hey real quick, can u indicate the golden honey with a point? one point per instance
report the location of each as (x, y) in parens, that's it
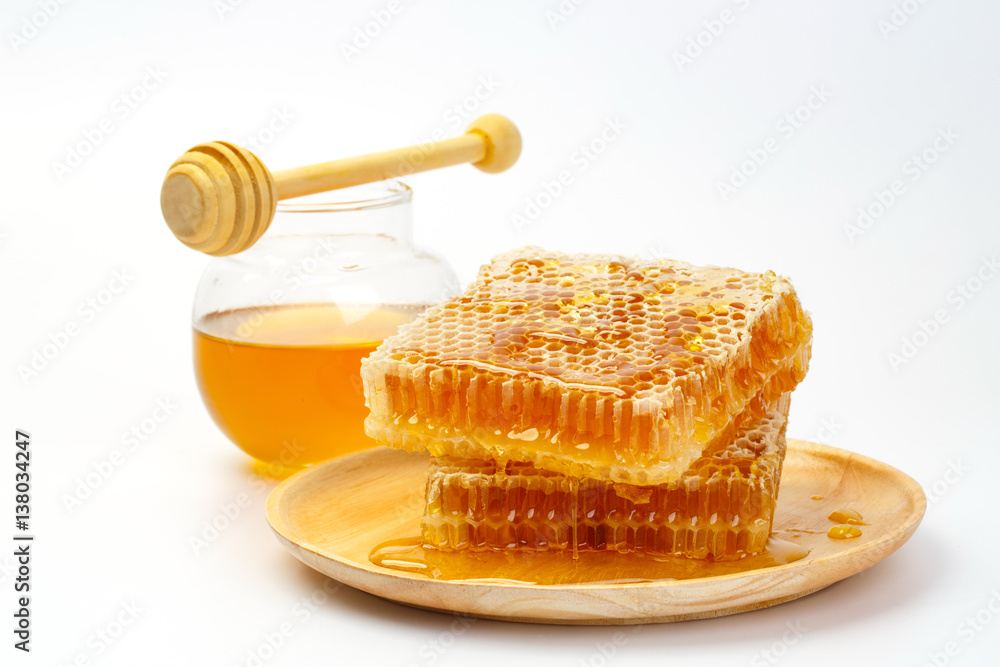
(562, 567)
(588, 365)
(846, 516)
(844, 532)
(284, 382)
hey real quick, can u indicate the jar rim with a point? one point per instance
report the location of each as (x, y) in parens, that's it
(364, 197)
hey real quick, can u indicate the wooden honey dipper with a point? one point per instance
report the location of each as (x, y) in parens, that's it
(219, 198)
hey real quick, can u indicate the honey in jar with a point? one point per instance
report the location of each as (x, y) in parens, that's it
(284, 383)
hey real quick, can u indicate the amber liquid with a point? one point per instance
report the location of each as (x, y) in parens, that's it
(568, 566)
(284, 382)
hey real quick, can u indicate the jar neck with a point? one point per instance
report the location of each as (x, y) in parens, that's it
(380, 209)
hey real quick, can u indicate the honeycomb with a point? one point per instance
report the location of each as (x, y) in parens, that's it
(720, 508)
(597, 366)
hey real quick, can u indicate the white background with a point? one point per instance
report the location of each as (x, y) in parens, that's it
(654, 190)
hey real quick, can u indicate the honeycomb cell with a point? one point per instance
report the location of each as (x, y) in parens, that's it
(720, 508)
(641, 367)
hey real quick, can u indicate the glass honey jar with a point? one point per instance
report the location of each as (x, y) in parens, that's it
(280, 329)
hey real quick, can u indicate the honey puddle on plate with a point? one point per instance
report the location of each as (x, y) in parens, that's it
(559, 567)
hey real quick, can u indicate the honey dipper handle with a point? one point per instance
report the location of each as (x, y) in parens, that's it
(491, 143)
(378, 166)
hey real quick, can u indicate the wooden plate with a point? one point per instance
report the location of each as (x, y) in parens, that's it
(331, 515)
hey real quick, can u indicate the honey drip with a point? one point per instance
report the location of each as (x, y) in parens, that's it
(565, 567)
(284, 382)
(846, 516)
(844, 532)
(847, 521)
(574, 487)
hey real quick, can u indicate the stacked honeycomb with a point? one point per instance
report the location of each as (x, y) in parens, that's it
(720, 508)
(593, 366)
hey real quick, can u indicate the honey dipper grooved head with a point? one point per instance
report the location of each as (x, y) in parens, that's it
(503, 142)
(218, 198)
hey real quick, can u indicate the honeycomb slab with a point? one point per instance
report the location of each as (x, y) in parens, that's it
(599, 366)
(721, 508)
